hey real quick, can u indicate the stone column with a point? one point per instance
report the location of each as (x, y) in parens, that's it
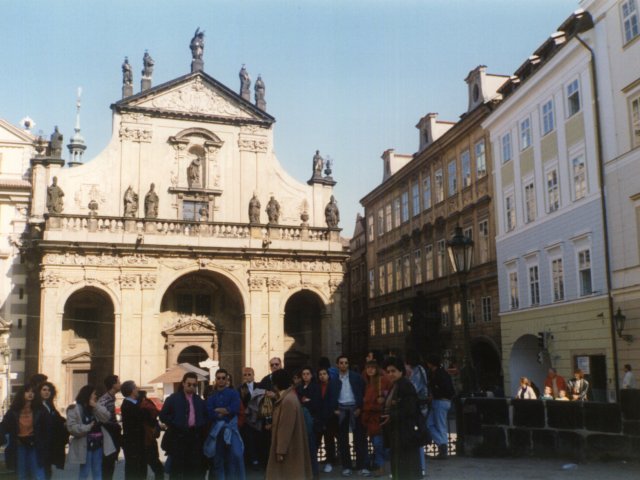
(151, 363)
(39, 186)
(131, 338)
(276, 319)
(257, 329)
(50, 342)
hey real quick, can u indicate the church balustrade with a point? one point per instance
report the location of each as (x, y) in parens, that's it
(104, 224)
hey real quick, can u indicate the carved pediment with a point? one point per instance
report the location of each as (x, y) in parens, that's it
(191, 324)
(194, 94)
(82, 357)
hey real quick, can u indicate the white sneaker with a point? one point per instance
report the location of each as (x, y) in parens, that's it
(364, 473)
(327, 468)
(347, 472)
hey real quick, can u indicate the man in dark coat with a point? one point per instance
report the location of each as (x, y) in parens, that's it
(184, 412)
(108, 401)
(135, 462)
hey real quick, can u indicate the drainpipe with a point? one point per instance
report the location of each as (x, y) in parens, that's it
(603, 208)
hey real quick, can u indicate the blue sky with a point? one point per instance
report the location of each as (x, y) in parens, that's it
(350, 78)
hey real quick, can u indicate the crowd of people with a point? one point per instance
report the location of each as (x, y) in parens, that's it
(278, 425)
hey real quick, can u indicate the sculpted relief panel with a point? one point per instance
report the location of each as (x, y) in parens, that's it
(104, 259)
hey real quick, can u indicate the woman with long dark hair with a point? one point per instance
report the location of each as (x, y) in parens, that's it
(377, 387)
(309, 394)
(400, 422)
(27, 425)
(89, 439)
(59, 435)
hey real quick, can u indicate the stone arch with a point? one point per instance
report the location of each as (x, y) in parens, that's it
(193, 355)
(204, 308)
(312, 288)
(197, 132)
(72, 288)
(487, 362)
(304, 315)
(523, 362)
(88, 338)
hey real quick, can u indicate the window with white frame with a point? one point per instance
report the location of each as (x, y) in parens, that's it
(399, 276)
(509, 211)
(471, 312)
(506, 147)
(553, 191)
(534, 285)
(573, 98)
(426, 192)
(388, 221)
(525, 133)
(405, 206)
(415, 198)
(486, 309)
(441, 257)
(406, 271)
(396, 212)
(457, 314)
(370, 225)
(417, 266)
(381, 280)
(481, 159)
(548, 119)
(468, 232)
(557, 279)
(578, 171)
(465, 160)
(428, 259)
(529, 202)
(392, 325)
(584, 272)
(634, 107)
(439, 186)
(389, 277)
(400, 323)
(444, 316)
(514, 297)
(383, 326)
(372, 284)
(630, 19)
(483, 241)
(380, 222)
(372, 327)
(453, 177)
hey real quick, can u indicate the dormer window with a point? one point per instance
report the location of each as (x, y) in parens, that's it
(476, 92)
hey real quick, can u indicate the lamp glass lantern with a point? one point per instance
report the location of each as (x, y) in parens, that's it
(619, 318)
(460, 249)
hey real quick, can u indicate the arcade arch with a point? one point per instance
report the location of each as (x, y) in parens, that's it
(303, 322)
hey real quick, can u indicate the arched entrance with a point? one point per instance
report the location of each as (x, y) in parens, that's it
(87, 339)
(524, 362)
(302, 327)
(203, 317)
(486, 360)
(193, 355)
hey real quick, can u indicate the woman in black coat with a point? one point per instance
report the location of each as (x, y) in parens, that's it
(309, 394)
(59, 434)
(399, 421)
(28, 426)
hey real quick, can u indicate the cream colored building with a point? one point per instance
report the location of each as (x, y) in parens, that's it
(133, 284)
(16, 149)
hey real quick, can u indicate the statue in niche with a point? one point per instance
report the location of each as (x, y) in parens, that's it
(151, 201)
(127, 73)
(254, 209)
(245, 83)
(331, 213)
(318, 163)
(55, 196)
(130, 203)
(273, 211)
(204, 214)
(197, 45)
(193, 173)
(148, 63)
(56, 143)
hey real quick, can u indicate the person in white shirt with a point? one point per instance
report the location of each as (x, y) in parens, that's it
(629, 380)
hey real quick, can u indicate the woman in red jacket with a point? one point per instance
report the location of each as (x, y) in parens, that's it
(377, 387)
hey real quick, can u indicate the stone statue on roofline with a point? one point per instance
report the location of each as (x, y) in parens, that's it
(318, 163)
(56, 143)
(151, 202)
(197, 45)
(130, 202)
(127, 72)
(332, 214)
(273, 211)
(245, 84)
(148, 64)
(254, 209)
(55, 195)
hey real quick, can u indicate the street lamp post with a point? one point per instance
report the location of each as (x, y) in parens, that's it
(460, 250)
(6, 356)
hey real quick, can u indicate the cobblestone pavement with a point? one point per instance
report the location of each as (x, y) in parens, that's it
(464, 468)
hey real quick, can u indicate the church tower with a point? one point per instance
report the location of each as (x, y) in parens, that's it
(76, 145)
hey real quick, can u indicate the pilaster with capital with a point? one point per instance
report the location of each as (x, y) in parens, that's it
(50, 341)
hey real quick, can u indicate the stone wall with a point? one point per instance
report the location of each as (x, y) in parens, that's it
(509, 427)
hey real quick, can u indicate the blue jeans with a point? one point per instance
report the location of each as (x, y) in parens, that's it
(437, 421)
(28, 463)
(228, 462)
(379, 453)
(92, 466)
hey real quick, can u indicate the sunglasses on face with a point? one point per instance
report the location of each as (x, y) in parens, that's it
(221, 378)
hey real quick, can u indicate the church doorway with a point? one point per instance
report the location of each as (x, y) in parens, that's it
(87, 339)
(303, 330)
(203, 317)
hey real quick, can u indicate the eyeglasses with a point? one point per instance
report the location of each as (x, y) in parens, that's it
(221, 378)
(247, 374)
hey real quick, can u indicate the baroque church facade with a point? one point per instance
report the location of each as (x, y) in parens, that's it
(183, 241)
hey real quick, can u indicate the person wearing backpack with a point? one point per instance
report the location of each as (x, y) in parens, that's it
(441, 393)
